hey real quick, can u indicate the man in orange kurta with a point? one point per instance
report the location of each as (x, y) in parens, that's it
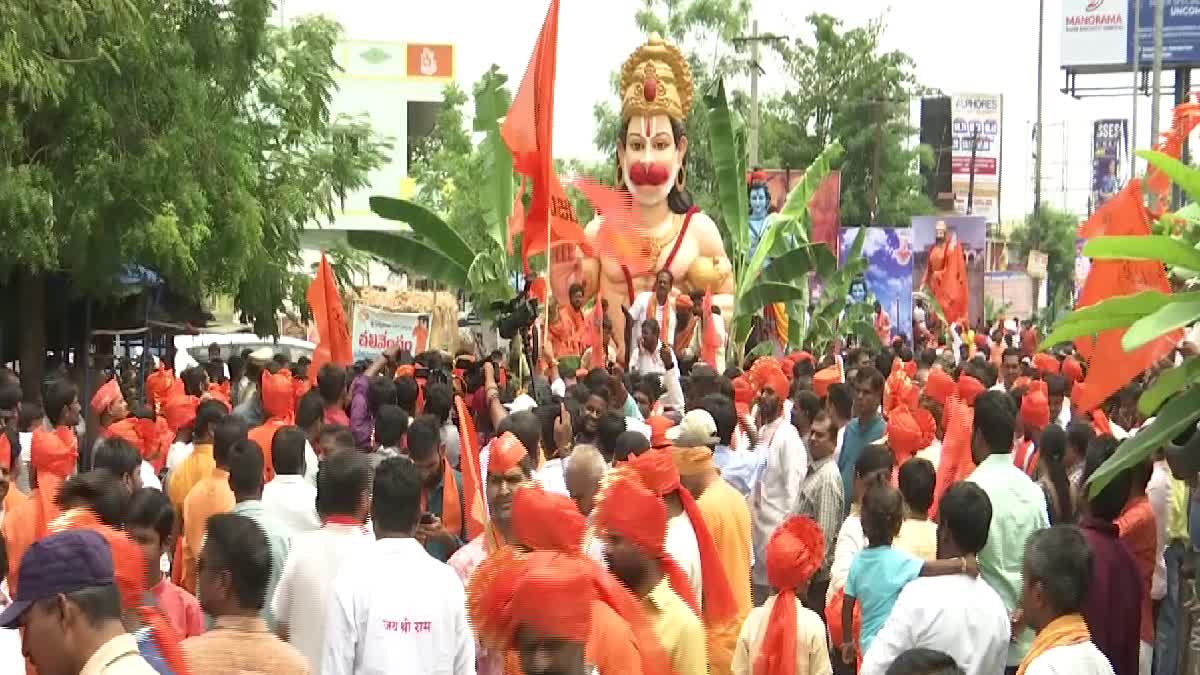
(279, 406)
(728, 519)
(50, 461)
(210, 496)
(12, 497)
(568, 334)
(946, 274)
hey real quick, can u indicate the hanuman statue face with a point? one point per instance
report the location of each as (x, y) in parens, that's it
(651, 158)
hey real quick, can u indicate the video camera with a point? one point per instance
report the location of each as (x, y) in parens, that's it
(516, 315)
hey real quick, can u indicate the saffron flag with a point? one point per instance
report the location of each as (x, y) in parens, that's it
(473, 509)
(621, 236)
(333, 341)
(528, 132)
(1123, 215)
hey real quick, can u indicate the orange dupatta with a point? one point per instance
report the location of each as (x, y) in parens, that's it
(1061, 632)
(451, 506)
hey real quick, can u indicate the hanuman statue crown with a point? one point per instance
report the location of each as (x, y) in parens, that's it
(656, 80)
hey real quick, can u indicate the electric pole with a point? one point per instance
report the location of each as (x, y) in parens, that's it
(1037, 158)
(1157, 86)
(1137, 73)
(754, 68)
(754, 39)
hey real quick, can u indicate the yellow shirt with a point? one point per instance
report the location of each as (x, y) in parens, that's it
(728, 520)
(192, 470)
(678, 629)
(1177, 503)
(812, 656)
(918, 538)
(211, 496)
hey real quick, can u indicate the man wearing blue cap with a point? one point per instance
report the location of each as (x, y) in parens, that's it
(68, 604)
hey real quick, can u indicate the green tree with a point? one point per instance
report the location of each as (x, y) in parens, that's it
(1054, 234)
(191, 137)
(706, 31)
(844, 88)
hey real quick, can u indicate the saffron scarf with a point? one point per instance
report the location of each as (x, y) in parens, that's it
(1062, 632)
(451, 507)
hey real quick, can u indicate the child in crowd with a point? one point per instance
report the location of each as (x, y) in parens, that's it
(878, 574)
(918, 534)
(151, 522)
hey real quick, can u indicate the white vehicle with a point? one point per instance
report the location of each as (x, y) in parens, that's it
(192, 350)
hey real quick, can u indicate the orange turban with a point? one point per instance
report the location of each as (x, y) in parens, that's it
(658, 430)
(657, 470)
(794, 554)
(49, 455)
(939, 385)
(1072, 369)
(903, 391)
(743, 394)
(505, 452)
(802, 356)
(149, 436)
(547, 521)
(407, 370)
(162, 386)
(1035, 407)
(927, 424)
(767, 373)
(639, 515)
(693, 461)
(969, 389)
(5, 452)
(108, 394)
(180, 411)
(826, 378)
(277, 395)
(904, 435)
(554, 597)
(1046, 364)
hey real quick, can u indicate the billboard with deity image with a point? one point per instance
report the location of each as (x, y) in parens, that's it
(888, 276)
(971, 232)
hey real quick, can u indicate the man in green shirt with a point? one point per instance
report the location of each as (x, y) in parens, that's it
(1018, 506)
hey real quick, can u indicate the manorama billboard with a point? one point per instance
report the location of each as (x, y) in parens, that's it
(1097, 35)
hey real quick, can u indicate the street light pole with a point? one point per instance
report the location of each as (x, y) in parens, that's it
(1037, 158)
(1157, 81)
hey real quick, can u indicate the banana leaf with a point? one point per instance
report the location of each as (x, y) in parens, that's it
(800, 261)
(1186, 177)
(767, 292)
(404, 252)
(427, 226)
(1181, 310)
(491, 104)
(1175, 416)
(1167, 250)
(1117, 312)
(729, 166)
(1169, 383)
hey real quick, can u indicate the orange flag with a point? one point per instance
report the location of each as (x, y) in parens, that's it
(333, 341)
(473, 509)
(1122, 215)
(528, 132)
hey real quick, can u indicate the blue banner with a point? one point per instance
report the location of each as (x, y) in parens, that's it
(1181, 32)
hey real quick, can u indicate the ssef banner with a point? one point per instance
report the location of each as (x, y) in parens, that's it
(378, 330)
(1108, 159)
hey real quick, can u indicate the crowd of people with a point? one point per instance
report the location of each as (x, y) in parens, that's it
(911, 509)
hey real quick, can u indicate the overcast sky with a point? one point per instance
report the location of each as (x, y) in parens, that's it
(957, 45)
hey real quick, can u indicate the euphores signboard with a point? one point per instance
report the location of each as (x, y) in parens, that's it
(1097, 35)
